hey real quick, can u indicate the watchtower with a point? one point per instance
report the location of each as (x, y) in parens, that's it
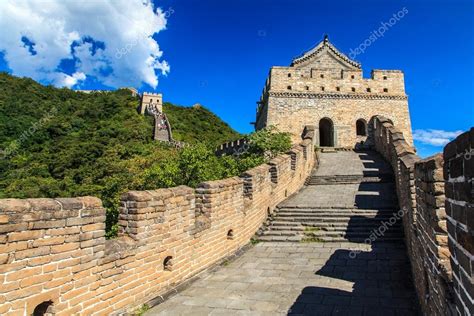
(325, 88)
(151, 99)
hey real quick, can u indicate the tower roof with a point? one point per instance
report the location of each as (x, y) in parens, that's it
(324, 47)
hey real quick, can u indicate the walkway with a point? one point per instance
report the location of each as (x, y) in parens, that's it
(308, 276)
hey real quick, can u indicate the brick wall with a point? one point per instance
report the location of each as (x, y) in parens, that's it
(429, 225)
(434, 270)
(459, 174)
(53, 251)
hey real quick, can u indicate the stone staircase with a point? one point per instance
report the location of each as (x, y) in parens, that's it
(162, 130)
(355, 202)
(346, 179)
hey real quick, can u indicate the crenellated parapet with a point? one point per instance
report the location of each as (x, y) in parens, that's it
(435, 197)
(388, 83)
(458, 158)
(54, 254)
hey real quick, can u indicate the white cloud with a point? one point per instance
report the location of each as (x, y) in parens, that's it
(37, 35)
(434, 137)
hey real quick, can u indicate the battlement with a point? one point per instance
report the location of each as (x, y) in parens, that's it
(344, 81)
(151, 98)
(434, 196)
(150, 94)
(54, 253)
(236, 147)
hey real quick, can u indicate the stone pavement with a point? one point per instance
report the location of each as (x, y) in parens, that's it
(303, 279)
(315, 278)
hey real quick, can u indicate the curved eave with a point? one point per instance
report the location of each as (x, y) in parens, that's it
(319, 48)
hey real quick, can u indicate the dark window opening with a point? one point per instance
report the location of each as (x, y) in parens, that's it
(385, 90)
(384, 77)
(353, 89)
(326, 133)
(361, 128)
(43, 309)
(322, 88)
(168, 263)
(230, 234)
(322, 76)
(289, 75)
(368, 90)
(352, 77)
(338, 89)
(289, 87)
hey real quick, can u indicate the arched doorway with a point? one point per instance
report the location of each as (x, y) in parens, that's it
(326, 133)
(361, 128)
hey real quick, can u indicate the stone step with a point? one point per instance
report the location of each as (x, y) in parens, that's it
(328, 239)
(285, 222)
(302, 228)
(372, 179)
(328, 150)
(335, 212)
(309, 219)
(393, 208)
(333, 215)
(347, 233)
(385, 207)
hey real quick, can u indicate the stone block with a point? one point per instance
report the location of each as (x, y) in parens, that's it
(14, 205)
(456, 167)
(449, 151)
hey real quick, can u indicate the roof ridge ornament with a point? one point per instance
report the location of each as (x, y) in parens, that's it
(319, 47)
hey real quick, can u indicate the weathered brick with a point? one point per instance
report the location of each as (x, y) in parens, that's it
(31, 253)
(48, 241)
(4, 219)
(70, 203)
(36, 279)
(25, 235)
(64, 248)
(22, 274)
(47, 224)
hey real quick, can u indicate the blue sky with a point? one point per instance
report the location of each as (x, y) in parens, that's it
(219, 54)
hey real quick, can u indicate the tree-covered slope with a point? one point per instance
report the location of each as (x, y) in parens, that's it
(197, 124)
(58, 142)
(61, 143)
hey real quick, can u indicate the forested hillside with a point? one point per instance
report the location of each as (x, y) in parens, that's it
(61, 143)
(198, 124)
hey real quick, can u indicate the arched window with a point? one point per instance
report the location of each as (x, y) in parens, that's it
(168, 263)
(361, 129)
(326, 133)
(43, 309)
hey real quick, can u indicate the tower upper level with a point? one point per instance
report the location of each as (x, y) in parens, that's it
(327, 72)
(151, 99)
